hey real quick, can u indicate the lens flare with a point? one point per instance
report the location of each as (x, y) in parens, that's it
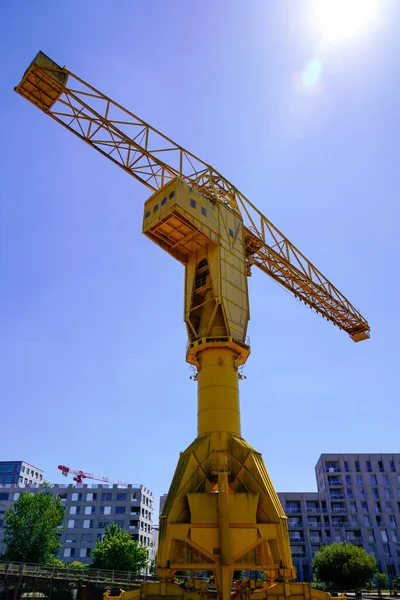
(311, 73)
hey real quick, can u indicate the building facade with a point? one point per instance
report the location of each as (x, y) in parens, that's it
(358, 501)
(20, 473)
(88, 510)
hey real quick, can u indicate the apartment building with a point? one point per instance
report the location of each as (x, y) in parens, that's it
(88, 510)
(358, 501)
(20, 473)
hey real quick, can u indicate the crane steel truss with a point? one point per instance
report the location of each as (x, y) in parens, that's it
(154, 159)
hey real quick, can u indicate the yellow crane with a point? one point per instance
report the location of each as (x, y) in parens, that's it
(222, 513)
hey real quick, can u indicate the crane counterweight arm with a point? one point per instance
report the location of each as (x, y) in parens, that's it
(154, 159)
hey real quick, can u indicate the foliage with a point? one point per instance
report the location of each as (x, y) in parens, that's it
(396, 582)
(153, 566)
(119, 552)
(76, 564)
(318, 585)
(343, 566)
(56, 562)
(381, 581)
(32, 526)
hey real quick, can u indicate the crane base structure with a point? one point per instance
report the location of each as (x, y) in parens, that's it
(222, 515)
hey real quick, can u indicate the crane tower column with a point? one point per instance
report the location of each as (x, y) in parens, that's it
(218, 391)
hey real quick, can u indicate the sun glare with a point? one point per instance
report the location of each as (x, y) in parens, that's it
(340, 19)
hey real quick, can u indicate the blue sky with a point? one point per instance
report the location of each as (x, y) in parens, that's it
(92, 350)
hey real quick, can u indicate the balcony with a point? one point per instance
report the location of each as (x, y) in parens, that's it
(336, 496)
(291, 511)
(339, 510)
(354, 538)
(335, 483)
(297, 540)
(340, 523)
(316, 539)
(297, 524)
(332, 470)
(313, 509)
(298, 554)
(314, 525)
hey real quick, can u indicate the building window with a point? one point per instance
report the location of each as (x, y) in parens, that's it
(103, 524)
(120, 510)
(380, 466)
(192, 203)
(231, 232)
(388, 493)
(353, 507)
(392, 467)
(163, 201)
(69, 552)
(357, 465)
(373, 480)
(384, 535)
(120, 523)
(105, 510)
(76, 497)
(349, 492)
(16, 496)
(364, 506)
(346, 466)
(3, 496)
(348, 480)
(367, 521)
(74, 510)
(385, 480)
(90, 510)
(148, 213)
(359, 480)
(106, 496)
(155, 209)
(88, 524)
(392, 520)
(393, 533)
(71, 524)
(91, 497)
(203, 211)
(121, 497)
(361, 492)
(172, 194)
(22, 469)
(86, 537)
(375, 493)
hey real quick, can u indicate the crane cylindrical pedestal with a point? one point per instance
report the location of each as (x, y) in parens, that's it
(218, 391)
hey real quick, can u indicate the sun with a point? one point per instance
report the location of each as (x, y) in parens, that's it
(340, 19)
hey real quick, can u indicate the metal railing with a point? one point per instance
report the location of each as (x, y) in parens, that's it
(70, 573)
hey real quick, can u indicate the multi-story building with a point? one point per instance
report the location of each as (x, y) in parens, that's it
(163, 499)
(358, 501)
(20, 473)
(88, 510)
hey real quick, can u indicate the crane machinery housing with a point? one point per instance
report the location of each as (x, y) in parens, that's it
(222, 513)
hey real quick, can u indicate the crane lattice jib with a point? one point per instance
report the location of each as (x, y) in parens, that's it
(154, 159)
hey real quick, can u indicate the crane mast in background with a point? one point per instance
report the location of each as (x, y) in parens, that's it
(79, 476)
(222, 513)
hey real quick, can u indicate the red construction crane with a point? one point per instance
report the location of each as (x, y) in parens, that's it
(80, 475)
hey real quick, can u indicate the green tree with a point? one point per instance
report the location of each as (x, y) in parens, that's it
(396, 582)
(343, 566)
(381, 581)
(31, 528)
(119, 552)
